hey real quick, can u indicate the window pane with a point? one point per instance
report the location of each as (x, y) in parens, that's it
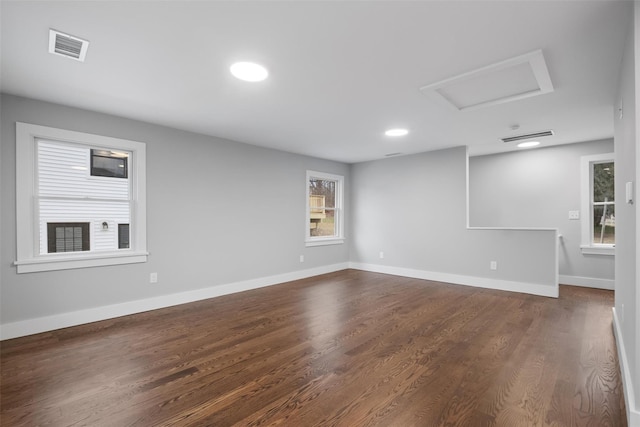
(603, 177)
(325, 190)
(604, 226)
(324, 208)
(323, 224)
(63, 172)
(94, 211)
(67, 191)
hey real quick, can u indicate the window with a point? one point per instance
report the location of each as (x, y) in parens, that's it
(598, 204)
(72, 190)
(123, 236)
(109, 163)
(324, 209)
(67, 236)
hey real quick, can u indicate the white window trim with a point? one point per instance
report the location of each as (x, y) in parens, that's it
(339, 211)
(586, 192)
(28, 257)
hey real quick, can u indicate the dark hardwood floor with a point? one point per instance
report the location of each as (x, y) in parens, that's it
(349, 348)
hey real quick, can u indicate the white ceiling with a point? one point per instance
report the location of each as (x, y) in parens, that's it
(341, 72)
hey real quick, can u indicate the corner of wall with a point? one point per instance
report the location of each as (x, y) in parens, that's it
(633, 414)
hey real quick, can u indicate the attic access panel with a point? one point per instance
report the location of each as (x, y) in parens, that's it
(516, 78)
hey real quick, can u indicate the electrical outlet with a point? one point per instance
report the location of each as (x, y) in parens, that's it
(381, 254)
(301, 258)
(493, 265)
(153, 278)
(574, 215)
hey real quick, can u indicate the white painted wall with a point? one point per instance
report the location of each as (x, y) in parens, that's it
(219, 213)
(226, 216)
(414, 210)
(627, 299)
(538, 188)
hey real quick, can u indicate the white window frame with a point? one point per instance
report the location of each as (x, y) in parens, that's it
(586, 195)
(339, 211)
(29, 258)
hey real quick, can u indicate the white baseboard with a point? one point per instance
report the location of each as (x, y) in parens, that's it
(588, 282)
(480, 282)
(633, 414)
(65, 320)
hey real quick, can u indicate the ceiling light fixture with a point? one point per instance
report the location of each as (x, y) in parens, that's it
(528, 144)
(396, 132)
(249, 71)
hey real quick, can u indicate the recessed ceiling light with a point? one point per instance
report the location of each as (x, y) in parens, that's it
(249, 71)
(528, 144)
(396, 132)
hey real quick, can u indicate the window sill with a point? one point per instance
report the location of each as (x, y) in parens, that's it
(66, 262)
(324, 242)
(598, 250)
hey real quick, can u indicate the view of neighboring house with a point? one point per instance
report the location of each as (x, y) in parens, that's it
(83, 196)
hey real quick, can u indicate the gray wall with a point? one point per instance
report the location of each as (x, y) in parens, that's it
(413, 209)
(538, 188)
(218, 212)
(627, 140)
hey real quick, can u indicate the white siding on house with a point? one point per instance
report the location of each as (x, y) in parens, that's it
(60, 176)
(68, 193)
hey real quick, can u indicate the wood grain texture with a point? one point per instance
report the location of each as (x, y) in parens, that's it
(349, 348)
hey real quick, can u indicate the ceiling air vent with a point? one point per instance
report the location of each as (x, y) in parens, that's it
(68, 46)
(527, 136)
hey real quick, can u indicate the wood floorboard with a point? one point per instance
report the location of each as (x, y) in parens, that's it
(349, 348)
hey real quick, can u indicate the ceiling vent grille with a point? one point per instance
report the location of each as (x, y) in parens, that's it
(68, 46)
(527, 136)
